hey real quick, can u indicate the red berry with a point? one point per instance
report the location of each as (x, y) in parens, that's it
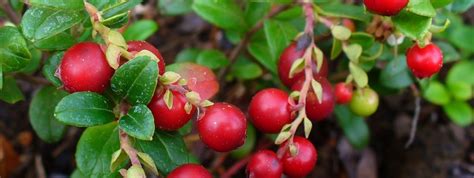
(303, 162)
(264, 164)
(222, 127)
(269, 110)
(137, 46)
(169, 119)
(385, 7)
(343, 93)
(290, 55)
(85, 68)
(424, 62)
(318, 111)
(190, 171)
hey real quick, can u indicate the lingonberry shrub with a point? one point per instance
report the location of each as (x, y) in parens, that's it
(301, 162)
(170, 118)
(143, 116)
(85, 68)
(385, 7)
(190, 171)
(269, 110)
(222, 127)
(424, 61)
(265, 164)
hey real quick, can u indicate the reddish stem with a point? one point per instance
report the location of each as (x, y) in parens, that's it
(131, 152)
(309, 16)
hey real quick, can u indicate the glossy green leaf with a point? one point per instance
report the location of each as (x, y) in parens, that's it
(61, 41)
(450, 54)
(363, 39)
(462, 37)
(345, 11)
(259, 49)
(14, 53)
(95, 148)
(459, 112)
(41, 23)
(267, 45)
(354, 127)
(119, 8)
(167, 149)
(396, 74)
(10, 92)
(461, 5)
(119, 158)
(50, 67)
(225, 13)
(77, 174)
(188, 55)
(175, 7)
(34, 63)
(41, 114)
(461, 90)
(136, 80)
(84, 109)
(461, 72)
(140, 30)
(436, 93)
(244, 69)
(279, 35)
(360, 76)
(336, 48)
(340, 32)
(59, 4)
(412, 25)
(255, 11)
(353, 52)
(421, 7)
(440, 3)
(138, 122)
(212, 58)
(116, 21)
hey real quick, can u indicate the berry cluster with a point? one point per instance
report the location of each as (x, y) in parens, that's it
(84, 67)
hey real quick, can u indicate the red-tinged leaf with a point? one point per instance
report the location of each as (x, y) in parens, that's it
(199, 78)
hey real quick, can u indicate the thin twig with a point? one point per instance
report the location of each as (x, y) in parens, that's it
(236, 167)
(308, 71)
(416, 116)
(39, 167)
(236, 51)
(11, 14)
(31, 79)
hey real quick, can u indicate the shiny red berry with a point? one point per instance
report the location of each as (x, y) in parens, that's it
(385, 7)
(290, 55)
(269, 110)
(303, 162)
(318, 111)
(137, 46)
(169, 119)
(343, 93)
(85, 68)
(264, 164)
(222, 127)
(424, 62)
(190, 171)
